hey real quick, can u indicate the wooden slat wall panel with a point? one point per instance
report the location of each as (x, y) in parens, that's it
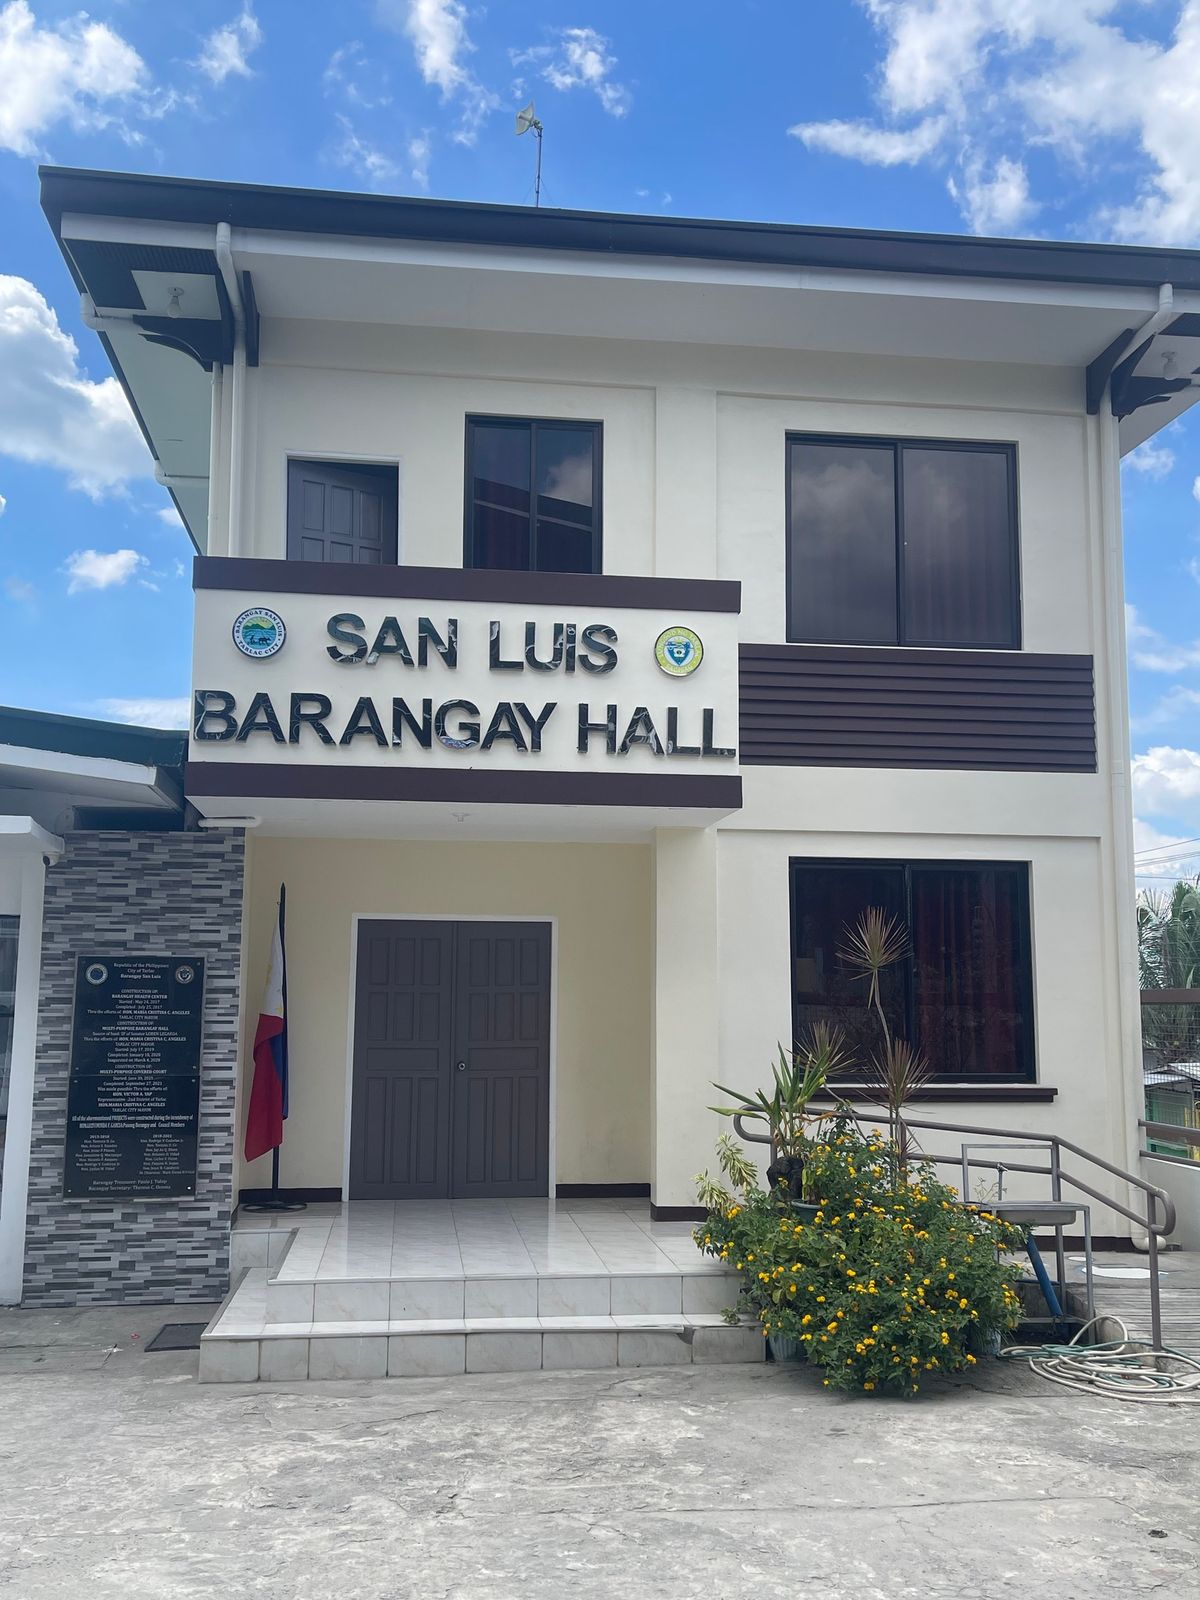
(847, 706)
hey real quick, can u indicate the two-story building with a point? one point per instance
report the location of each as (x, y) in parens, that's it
(594, 615)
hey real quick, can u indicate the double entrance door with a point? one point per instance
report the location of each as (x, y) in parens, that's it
(451, 1065)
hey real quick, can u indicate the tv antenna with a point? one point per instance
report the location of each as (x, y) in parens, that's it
(527, 119)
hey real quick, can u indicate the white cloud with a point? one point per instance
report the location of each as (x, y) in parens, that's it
(419, 151)
(1150, 651)
(579, 58)
(1162, 865)
(99, 569)
(373, 165)
(349, 74)
(1152, 459)
(995, 202)
(76, 71)
(171, 712)
(51, 413)
(876, 147)
(437, 31)
(1178, 702)
(170, 516)
(1166, 783)
(226, 51)
(3, 505)
(20, 589)
(1075, 77)
(1196, 488)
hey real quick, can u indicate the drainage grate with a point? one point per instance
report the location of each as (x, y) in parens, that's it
(178, 1336)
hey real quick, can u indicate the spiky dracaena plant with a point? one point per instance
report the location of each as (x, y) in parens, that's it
(878, 941)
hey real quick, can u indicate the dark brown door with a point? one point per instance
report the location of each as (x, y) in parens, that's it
(341, 512)
(451, 1073)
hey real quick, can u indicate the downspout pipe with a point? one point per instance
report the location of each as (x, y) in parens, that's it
(223, 250)
(1120, 792)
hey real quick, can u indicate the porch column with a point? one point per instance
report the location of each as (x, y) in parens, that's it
(24, 850)
(686, 1009)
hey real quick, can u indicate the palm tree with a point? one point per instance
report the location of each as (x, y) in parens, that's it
(1168, 928)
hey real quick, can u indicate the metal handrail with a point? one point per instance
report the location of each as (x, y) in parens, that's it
(1168, 1130)
(1156, 1198)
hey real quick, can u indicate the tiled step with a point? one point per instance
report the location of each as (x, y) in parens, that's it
(322, 1299)
(242, 1345)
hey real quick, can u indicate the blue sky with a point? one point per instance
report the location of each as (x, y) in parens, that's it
(1058, 118)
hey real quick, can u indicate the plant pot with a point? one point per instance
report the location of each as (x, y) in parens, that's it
(784, 1349)
(804, 1210)
(984, 1342)
(787, 1173)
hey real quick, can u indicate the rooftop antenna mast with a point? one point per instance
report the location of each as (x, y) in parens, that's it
(526, 120)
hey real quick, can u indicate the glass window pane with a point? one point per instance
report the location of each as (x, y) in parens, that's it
(958, 586)
(500, 464)
(564, 474)
(843, 543)
(827, 902)
(969, 970)
(501, 539)
(563, 549)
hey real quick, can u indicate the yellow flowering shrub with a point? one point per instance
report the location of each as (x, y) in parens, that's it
(892, 1280)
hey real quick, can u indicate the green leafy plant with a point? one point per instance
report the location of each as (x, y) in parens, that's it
(799, 1077)
(894, 1279)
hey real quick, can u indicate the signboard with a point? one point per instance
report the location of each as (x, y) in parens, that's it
(355, 681)
(133, 1099)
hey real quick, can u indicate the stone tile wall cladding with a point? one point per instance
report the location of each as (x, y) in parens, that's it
(137, 894)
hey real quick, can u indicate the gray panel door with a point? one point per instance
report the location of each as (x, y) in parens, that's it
(403, 1019)
(502, 1059)
(451, 1067)
(341, 512)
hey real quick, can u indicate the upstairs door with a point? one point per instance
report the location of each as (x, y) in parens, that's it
(341, 512)
(451, 1065)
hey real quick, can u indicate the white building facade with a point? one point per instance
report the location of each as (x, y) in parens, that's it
(595, 615)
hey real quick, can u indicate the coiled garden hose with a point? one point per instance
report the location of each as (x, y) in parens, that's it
(1124, 1369)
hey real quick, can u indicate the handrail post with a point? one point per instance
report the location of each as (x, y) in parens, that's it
(1060, 1254)
(1152, 1254)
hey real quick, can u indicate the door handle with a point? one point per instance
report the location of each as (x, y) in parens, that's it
(461, 1066)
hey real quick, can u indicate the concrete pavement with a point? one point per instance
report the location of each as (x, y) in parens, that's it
(122, 1477)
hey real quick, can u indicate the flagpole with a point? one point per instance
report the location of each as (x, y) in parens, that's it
(274, 1201)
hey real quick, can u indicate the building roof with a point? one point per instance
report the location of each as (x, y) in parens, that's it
(327, 211)
(84, 736)
(168, 267)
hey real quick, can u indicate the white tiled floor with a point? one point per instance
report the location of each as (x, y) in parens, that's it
(437, 1239)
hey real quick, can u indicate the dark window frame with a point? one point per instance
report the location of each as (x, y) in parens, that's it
(1022, 962)
(358, 464)
(898, 443)
(502, 420)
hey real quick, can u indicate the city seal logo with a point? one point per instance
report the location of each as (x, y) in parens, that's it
(678, 651)
(96, 972)
(184, 973)
(259, 633)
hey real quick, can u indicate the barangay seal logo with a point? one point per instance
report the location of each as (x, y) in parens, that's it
(96, 972)
(184, 973)
(678, 651)
(259, 633)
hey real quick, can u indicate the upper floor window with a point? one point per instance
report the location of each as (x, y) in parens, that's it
(341, 511)
(533, 495)
(902, 542)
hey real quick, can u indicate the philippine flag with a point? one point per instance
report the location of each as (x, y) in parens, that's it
(269, 1090)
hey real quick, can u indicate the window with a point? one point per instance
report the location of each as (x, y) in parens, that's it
(533, 495)
(964, 993)
(902, 543)
(9, 927)
(341, 511)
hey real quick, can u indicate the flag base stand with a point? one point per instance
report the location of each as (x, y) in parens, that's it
(274, 1201)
